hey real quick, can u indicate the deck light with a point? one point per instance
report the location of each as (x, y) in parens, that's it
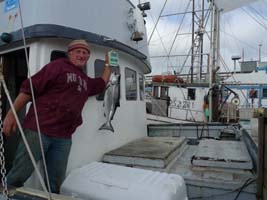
(144, 6)
(6, 37)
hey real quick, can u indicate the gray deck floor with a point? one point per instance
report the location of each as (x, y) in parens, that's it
(213, 177)
(226, 170)
(227, 154)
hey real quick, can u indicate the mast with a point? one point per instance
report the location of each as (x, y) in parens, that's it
(193, 41)
(214, 55)
(201, 41)
(197, 41)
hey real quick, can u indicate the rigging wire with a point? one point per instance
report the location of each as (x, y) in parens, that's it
(255, 19)
(179, 28)
(232, 76)
(188, 54)
(235, 41)
(245, 43)
(258, 13)
(157, 22)
(160, 37)
(35, 111)
(227, 69)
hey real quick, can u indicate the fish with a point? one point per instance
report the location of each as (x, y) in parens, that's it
(111, 100)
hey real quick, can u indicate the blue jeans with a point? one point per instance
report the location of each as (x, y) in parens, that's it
(56, 152)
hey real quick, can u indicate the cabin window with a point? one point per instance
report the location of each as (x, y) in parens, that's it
(57, 54)
(164, 92)
(191, 94)
(99, 67)
(141, 87)
(264, 93)
(131, 84)
(156, 91)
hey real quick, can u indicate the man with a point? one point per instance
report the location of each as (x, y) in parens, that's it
(252, 95)
(61, 89)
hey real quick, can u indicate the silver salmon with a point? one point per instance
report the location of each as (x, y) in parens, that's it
(111, 100)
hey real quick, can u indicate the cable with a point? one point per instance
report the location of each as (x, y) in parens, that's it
(239, 190)
(24, 137)
(256, 20)
(178, 30)
(157, 22)
(247, 183)
(33, 102)
(160, 38)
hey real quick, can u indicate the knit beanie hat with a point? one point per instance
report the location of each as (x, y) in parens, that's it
(78, 44)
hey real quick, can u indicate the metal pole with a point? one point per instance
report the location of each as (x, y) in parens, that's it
(260, 45)
(234, 66)
(212, 56)
(260, 170)
(201, 40)
(193, 41)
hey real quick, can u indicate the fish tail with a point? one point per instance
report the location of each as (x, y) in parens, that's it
(107, 126)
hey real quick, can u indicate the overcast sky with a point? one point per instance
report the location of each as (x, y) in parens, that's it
(242, 29)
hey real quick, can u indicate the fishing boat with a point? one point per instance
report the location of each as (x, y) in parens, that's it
(33, 33)
(137, 160)
(185, 96)
(235, 99)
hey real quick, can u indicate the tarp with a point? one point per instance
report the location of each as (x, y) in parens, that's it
(228, 5)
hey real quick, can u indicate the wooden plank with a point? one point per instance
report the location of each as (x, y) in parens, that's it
(41, 194)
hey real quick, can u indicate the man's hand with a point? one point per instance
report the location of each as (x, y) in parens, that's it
(9, 124)
(107, 70)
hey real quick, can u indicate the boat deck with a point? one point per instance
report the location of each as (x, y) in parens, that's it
(210, 176)
(209, 167)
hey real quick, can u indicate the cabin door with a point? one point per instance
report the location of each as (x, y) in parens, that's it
(15, 72)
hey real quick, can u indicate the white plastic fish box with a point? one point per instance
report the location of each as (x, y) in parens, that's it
(102, 181)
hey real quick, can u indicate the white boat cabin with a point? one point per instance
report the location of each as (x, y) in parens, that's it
(48, 27)
(243, 91)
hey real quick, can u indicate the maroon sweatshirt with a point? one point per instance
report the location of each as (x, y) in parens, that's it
(61, 90)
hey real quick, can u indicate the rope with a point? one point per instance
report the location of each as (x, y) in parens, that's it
(23, 135)
(36, 116)
(2, 154)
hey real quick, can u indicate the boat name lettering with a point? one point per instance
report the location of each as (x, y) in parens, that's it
(185, 104)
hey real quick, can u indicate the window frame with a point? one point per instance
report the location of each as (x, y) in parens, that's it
(194, 94)
(136, 86)
(155, 93)
(141, 81)
(264, 97)
(164, 89)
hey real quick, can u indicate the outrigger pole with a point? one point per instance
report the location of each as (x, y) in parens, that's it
(214, 55)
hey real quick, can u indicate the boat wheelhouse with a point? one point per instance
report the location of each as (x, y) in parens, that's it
(40, 31)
